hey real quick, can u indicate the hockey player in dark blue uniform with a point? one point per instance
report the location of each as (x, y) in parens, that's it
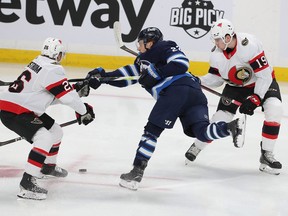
(162, 68)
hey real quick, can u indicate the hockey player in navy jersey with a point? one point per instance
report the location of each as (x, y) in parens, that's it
(238, 60)
(22, 110)
(162, 67)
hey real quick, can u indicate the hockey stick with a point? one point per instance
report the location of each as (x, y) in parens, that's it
(118, 37)
(20, 138)
(101, 79)
(2, 83)
(105, 79)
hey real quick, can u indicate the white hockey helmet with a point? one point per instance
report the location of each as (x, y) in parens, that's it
(221, 28)
(52, 48)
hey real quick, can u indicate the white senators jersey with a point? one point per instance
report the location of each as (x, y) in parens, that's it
(245, 66)
(41, 82)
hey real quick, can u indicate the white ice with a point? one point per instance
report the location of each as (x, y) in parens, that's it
(223, 181)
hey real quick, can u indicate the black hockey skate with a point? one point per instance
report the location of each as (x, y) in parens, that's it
(30, 190)
(132, 179)
(237, 131)
(53, 170)
(192, 153)
(268, 163)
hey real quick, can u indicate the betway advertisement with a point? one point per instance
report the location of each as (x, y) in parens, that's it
(86, 26)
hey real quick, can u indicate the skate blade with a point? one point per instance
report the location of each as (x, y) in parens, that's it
(188, 162)
(48, 176)
(265, 168)
(25, 194)
(241, 138)
(132, 185)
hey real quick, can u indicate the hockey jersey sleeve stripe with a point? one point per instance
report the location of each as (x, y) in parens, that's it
(12, 107)
(182, 61)
(259, 62)
(214, 71)
(134, 70)
(179, 58)
(125, 72)
(60, 88)
(128, 70)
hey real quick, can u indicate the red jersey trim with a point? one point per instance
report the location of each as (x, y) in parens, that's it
(258, 64)
(12, 107)
(60, 88)
(53, 85)
(230, 54)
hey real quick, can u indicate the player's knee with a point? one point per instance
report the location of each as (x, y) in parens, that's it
(273, 110)
(43, 139)
(56, 132)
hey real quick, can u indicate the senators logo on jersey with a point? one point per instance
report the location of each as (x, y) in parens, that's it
(239, 76)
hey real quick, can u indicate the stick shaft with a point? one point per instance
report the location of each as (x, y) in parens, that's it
(21, 138)
(103, 79)
(222, 96)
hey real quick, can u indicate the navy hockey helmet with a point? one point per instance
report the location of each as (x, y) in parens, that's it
(150, 34)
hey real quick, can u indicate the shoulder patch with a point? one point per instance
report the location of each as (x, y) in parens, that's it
(213, 49)
(245, 41)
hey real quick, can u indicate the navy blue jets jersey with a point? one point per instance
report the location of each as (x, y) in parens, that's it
(167, 58)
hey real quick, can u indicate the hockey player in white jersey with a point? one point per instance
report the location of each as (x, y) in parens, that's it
(22, 110)
(238, 60)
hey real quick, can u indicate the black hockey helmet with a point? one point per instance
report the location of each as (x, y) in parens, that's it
(150, 34)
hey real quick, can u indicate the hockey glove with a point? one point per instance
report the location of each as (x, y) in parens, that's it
(82, 88)
(97, 72)
(93, 77)
(149, 77)
(250, 104)
(94, 82)
(87, 117)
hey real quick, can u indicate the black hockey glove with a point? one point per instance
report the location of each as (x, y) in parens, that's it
(82, 88)
(250, 104)
(87, 117)
(94, 82)
(97, 72)
(93, 77)
(149, 77)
